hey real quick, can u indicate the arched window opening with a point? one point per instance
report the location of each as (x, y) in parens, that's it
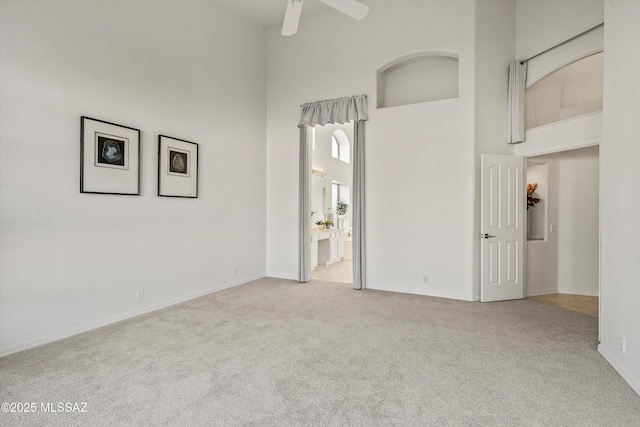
(340, 147)
(569, 92)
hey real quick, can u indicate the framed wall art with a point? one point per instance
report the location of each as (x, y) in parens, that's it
(109, 158)
(177, 167)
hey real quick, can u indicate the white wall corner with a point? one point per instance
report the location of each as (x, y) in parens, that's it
(620, 368)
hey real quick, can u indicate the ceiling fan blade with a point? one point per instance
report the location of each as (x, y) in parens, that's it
(351, 8)
(291, 17)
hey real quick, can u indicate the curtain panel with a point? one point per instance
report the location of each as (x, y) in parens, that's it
(304, 244)
(358, 217)
(515, 120)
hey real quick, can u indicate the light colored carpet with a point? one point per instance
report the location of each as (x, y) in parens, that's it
(275, 352)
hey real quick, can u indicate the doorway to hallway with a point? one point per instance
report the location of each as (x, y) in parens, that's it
(563, 236)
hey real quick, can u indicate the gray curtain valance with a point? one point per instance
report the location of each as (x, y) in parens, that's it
(340, 110)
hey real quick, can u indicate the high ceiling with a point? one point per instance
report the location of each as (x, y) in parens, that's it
(269, 13)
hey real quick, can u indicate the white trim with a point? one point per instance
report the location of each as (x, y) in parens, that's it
(633, 382)
(56, 336)
(426, 294)
(542, 292)
(551, 125)
(564, 147)
(569, 134)
(600, 325)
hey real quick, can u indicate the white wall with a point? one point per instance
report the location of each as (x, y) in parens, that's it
(495, 49)
(578, 222)
(428, 147)
(620, 151)
(542, 255)
(71, 261)
(536, 217)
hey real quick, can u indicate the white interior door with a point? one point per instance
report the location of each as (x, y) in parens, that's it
(502, 227)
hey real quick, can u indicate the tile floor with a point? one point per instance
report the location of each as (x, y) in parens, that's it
(580, 303)
(341, 272)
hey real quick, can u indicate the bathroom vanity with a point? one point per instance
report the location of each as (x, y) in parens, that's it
(327, 247)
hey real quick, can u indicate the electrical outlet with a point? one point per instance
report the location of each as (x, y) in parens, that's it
(140, 295)
(622, 345)
(425, 278)
(235, 271)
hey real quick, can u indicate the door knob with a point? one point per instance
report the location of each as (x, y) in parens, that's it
(486, 236)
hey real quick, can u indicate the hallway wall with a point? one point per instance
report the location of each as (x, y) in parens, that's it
(619, 314)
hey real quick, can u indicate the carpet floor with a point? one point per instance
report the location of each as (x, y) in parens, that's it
(276, 352)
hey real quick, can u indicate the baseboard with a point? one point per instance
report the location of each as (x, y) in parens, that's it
(534, 293)
(426, 294)
(633, 382)
(46, 339)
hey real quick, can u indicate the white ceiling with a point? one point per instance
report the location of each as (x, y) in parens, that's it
(270, 13)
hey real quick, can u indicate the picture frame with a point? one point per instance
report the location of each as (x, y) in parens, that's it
(109, 158)
(177, 167)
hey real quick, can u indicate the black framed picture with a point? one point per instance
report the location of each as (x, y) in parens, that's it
(177, 167)
(109, 158)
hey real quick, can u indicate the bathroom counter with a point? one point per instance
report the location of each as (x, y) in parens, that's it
(327, 246)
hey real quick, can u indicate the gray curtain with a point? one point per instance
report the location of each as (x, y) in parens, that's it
(358, 218)
(340, 110)
(305, 210)
(517, 82)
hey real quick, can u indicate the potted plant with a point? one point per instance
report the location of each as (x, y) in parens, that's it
(341, 210)
(531, 198)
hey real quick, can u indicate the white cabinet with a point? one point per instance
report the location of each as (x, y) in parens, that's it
(314, 251)
(340, 243)
(340, 238)
(330, 247)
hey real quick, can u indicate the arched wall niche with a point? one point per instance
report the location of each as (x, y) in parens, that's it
(418, 77)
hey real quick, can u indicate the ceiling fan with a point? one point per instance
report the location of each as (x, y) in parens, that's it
(351, 8)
